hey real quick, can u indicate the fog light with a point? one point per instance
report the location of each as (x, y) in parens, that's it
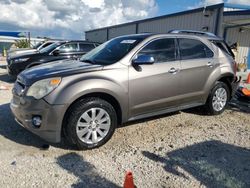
(36, 121)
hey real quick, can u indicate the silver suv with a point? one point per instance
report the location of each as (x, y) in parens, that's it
(125, 79)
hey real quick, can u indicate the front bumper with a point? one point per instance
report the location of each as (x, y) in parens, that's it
(24, 108)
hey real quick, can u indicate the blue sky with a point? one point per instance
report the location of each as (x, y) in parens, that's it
(167, 7)
(68, 19)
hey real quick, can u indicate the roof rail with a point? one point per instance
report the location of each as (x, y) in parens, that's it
(192, 32)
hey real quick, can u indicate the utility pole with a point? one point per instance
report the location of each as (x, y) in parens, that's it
(29, 38)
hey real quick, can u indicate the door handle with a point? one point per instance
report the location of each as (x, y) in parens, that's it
(209, 64)
(173, 70)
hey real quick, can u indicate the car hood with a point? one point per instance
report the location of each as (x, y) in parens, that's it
(16, 55)
(56, 69)
(23, 51)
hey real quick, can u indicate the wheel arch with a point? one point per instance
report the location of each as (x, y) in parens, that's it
(102, 95)
(228, 79)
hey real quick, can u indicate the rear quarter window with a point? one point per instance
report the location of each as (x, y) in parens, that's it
(223, 46)
(193, 49)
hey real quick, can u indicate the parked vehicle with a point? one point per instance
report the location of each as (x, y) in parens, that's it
(35, 48)
(56, 51)
(125, 79)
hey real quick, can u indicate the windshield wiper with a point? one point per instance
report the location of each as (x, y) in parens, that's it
(88, 61)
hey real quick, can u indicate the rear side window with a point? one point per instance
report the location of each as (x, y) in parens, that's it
(86, 47)
(193, 49)
(162, 50)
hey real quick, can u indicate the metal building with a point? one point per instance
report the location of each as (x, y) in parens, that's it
(226, 20)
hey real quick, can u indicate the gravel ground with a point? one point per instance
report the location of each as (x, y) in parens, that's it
(182, 149)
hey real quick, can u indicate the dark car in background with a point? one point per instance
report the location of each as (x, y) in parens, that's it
(56, 51)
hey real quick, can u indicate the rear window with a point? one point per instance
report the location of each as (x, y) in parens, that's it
(223, 46)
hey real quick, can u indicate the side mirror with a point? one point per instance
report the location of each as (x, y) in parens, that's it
(56, 52)
(143, 60)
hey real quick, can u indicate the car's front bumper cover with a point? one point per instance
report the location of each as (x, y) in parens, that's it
(24, 108)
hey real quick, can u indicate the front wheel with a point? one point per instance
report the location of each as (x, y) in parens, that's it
(91, 123)
(218, 98)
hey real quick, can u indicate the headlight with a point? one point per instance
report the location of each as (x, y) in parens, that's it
(20, 60)
(42, 88)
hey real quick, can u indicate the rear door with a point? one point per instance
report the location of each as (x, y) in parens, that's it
(197, 63)
(155, 87)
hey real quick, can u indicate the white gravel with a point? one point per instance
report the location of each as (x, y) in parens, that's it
(182, 149)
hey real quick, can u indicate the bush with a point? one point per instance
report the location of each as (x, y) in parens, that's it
(23, 43)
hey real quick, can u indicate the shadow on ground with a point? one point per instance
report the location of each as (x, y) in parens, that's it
(239, 106)
(12, 131)
(86, 172)
(7, 78)
(213, 163)
(233, 105)
(148, 119)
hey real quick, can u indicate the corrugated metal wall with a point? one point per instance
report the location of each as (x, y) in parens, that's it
(97, 36)
(122, 30)
(243, 39)
(193, 21)
(230, 18)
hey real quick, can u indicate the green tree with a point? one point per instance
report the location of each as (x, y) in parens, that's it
(22, 43)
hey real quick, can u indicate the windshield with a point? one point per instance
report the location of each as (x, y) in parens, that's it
(37, 45)
(51, 47)
(112, 51)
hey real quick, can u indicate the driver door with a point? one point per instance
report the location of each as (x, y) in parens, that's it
(155, 87)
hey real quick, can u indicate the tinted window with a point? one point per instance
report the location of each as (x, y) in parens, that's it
(86, 47)
(112, 51)
(46, 44)
(50, 48)
(193, 49)
(37, 45)
(162, 50)
(70, 47)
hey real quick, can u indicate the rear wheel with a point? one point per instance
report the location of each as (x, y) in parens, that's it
(218, 98)
(91, 123)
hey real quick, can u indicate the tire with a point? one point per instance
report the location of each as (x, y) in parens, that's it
(218, 99)
(88, 130)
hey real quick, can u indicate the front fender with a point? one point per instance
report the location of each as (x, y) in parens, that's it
(72, 88)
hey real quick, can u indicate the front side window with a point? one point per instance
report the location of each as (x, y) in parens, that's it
(70, 47)
(193, 49)
(162, 50)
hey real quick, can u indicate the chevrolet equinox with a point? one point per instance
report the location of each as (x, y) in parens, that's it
(127, 78)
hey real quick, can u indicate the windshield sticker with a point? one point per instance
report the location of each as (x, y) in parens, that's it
(128, 41)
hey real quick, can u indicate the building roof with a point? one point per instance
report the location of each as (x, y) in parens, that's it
(164, 16)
